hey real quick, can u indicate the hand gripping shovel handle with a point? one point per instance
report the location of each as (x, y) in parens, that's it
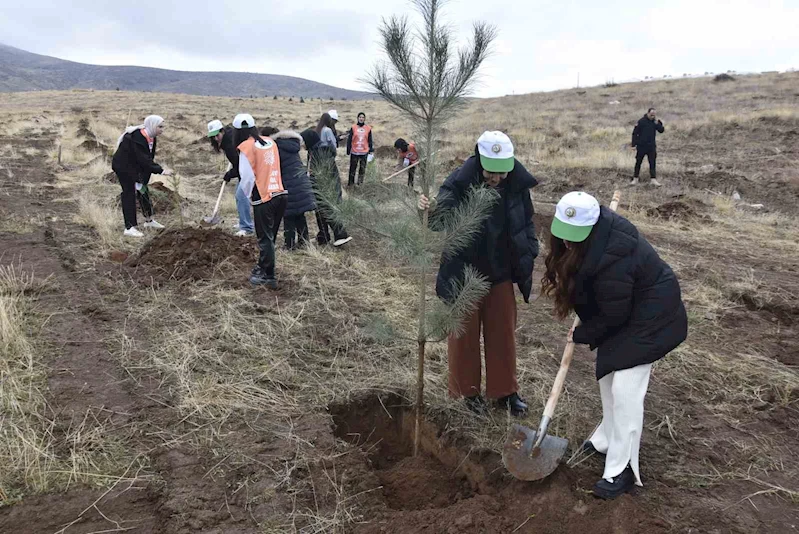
(565, 362)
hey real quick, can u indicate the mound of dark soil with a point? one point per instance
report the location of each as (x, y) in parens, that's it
(718, 181)
(164, 199)
(193, 254)
(385, 152)
(683, 209)
(723, 78)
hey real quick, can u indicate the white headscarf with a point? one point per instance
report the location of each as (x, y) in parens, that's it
(151, 124)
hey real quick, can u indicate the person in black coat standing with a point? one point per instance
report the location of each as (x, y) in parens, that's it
(298, 185)
(326, 184)
(644, 142)
(503, 252)
(631, 309)
(134, 163)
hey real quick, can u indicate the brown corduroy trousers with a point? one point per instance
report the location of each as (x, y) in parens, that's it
(496, 315)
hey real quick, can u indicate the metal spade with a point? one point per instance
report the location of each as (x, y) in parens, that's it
(214, 219)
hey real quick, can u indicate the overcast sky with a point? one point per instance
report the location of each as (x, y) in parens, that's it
(542, 45)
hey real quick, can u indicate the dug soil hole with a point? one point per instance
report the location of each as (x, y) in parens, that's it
(453, 487)
(383, 429)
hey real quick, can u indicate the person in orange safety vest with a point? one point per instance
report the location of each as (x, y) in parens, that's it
(359, 147)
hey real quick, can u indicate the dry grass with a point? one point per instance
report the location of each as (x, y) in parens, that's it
(104, 218)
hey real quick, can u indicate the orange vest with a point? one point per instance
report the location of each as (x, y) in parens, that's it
(411, 154)
(360, 139)
(265, 163)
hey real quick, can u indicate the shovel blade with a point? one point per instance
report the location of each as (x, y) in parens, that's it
(524, 463)
(212, 221)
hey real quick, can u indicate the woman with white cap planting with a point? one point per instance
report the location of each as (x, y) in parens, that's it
(133, 164)
(222, 140)
(503, 252)
(261, 181)
(631, 309)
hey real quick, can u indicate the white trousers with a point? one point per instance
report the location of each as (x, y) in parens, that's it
(619, 434)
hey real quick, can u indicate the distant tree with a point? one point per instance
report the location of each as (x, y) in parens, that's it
(302, 100)
(275, 98)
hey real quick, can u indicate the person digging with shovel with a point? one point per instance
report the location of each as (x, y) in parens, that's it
(134, 163)
(631, 309)
(261, 181)
(408, 155)
(222, 140)
(503, 252)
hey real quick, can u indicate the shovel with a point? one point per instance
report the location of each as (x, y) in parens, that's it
(532, 455)
(215, 219)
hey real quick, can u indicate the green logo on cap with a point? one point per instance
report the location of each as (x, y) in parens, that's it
(496, 149)
(570, 212)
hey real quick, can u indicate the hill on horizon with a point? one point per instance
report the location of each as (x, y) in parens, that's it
(25, 71)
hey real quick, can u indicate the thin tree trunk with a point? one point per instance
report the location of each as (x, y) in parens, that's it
(422, 340)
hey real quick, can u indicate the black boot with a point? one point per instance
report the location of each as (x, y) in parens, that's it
(514, 403)
(621, 484)
(476, 404)
(259, 277)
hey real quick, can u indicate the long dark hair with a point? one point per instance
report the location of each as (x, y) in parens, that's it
(215, 144)
(324, 120)
(243, 134)
(562, 266)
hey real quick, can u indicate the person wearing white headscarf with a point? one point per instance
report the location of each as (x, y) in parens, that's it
(133, 163)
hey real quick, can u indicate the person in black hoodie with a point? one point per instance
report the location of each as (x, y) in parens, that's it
(133, 164)
(631, 309)
(326, 183)
(503, 252)
(298, 185)
(222, 139)
(644, 142)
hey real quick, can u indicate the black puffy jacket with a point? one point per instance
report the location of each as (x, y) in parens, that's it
(627, 298)
(322, 163)
(134, 160)
(645, 132)
(506, 247)
(292, 171)
(228, 145)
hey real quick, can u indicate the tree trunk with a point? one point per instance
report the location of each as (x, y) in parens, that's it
(422, 340)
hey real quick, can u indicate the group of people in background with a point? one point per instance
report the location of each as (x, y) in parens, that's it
(598, 265)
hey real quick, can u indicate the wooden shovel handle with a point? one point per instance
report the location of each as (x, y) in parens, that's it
(219, 199)
(568, 352)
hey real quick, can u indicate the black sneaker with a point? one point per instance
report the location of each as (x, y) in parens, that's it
(476, 404)
(260, 278)
(514, 403)
(621, 484)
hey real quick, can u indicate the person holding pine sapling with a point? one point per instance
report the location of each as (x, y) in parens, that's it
(631, 309)
(359, 147)
(503, 252)
(134, 163)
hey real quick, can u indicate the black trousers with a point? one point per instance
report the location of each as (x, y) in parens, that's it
(359, 163)
(325, 224)
(295, 230)
(267, 217)
(411, 176)
(651, 156)
(129, 196)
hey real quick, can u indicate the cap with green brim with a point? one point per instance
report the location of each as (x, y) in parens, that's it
(214, 127)
(575, 217)
(496, 152)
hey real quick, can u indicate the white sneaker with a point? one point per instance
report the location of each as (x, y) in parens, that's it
(133, 232)
(340, 242)
(634, 181)
(243, 233)
(154, 224)
(656, 183)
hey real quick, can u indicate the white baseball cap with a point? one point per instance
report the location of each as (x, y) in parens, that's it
(333, 114)
(496, 152)
(575, 217)
(214, 127)
(242, 118)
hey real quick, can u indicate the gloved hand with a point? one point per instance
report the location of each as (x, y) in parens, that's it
(226, 178)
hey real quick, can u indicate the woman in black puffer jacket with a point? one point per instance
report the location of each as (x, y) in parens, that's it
(631, 309)
(298, 184)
